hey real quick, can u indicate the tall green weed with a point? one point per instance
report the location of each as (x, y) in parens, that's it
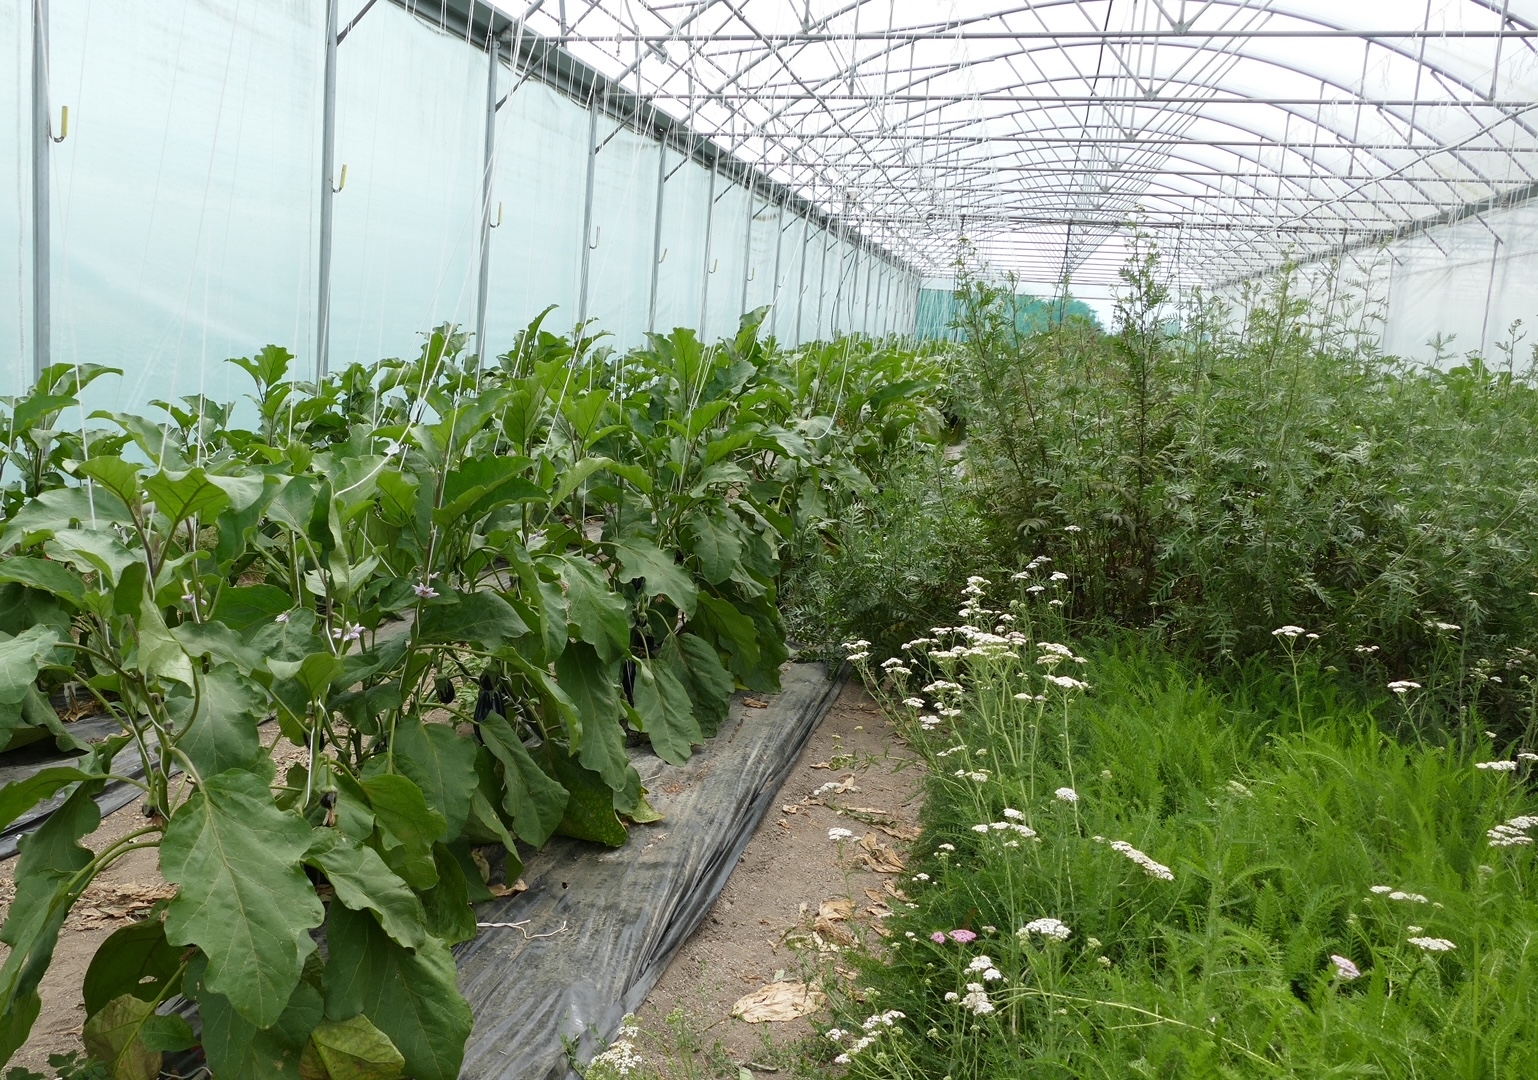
(1159, 875)
(1212, 478)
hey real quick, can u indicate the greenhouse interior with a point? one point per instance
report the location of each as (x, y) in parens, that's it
(728, 538)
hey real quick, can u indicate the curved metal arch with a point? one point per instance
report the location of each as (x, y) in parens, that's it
(1406, 117)
(866, 147)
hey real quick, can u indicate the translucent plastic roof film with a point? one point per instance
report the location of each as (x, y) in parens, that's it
(1240, 132)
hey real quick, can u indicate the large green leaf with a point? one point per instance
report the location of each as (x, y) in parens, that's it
(93, 551)
(114, 474)
(447, 904)
(111, 1036)
(440, 762)
(408, 827)
(48, 881)
(222, 734)
(666, 712)
(482, 617)
(735, 634)
(597, 614)
(45, 574)
(698, 666)
(351, 1049)
(535, 801)
(158, 653)
(244, 898)
(220, 643)
(61, 509)
(136, 959)
(21, 658)
(590, 808)
(594, 689)
(412, 996)
(642, 559)
(716, 545)
(19, 796)
(246, 606)
(482, 483)
(239, 1050)
(182, 494)
(363, 882)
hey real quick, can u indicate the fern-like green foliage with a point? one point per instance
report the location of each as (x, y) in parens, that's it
(1277, 844)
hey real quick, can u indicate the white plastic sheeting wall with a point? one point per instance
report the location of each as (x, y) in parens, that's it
(185, 203)
(1435, 296)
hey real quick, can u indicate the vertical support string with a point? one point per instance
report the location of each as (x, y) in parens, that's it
(327, 193)
(42, 143)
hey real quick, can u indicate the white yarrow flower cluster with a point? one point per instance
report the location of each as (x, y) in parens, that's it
(975, 999)
(1288, 631)
(1403, 686)
(857, 651)
(1047, 928)
(1432, 944)
(621, 1058)
(975, 775)
(1513, 833)
(1066, 794)
(1150, 866)
(984, 965)
(840, 834)
(1496, 766)
(1345, 970)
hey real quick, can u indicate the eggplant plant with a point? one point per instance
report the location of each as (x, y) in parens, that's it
(445, 595)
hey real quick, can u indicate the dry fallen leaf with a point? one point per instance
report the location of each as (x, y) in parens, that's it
(899, 832)
(893, 890)
(835, 910)
(879, 857)
(508, 890)
(777, 1002)
(819, 765)
(755, 703)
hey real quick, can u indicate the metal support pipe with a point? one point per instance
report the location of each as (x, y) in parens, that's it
(42, 143)
(822, 280)
(774, 295)
(710, 213)
(488, 163)
(662, 179)
(870, 269)
(747, 255)
(806, 231)
(327, 192)
(587, 212)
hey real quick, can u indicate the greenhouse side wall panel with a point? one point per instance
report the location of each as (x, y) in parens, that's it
(728, 268)
(15, 237)
(410, 127)
(537, 192)
(619, 250)
(681, 269)
(181, 198)
(186, 202)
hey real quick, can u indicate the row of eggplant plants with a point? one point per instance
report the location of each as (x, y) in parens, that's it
(459, 589)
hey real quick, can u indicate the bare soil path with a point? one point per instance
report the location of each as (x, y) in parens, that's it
(795, 903)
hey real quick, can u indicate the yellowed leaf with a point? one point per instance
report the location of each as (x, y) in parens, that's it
(778, 1002)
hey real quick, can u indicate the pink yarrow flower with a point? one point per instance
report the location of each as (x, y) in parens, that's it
(962, 937)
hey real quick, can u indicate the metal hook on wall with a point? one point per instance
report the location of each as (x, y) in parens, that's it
(341, 183)
(714, 265)
(752, 272)
(498, 222)
(63, 125)
(597, 237)
(664, 257)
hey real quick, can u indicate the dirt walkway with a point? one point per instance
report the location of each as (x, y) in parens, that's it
(795, 901)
